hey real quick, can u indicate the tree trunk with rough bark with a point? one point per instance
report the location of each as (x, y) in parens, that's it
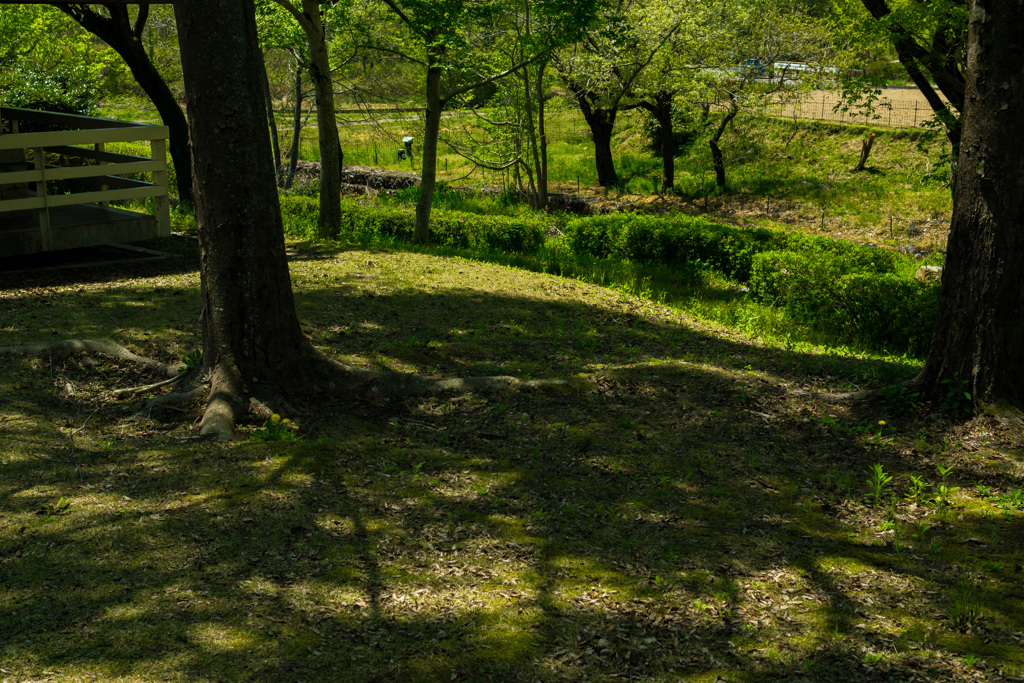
(979, 333)
(251, 334)
(117, 31)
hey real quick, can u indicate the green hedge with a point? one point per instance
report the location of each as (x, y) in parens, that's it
(672, 240)
(447, 228)
(680, 239)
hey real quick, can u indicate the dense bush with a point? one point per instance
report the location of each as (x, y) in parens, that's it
(852, 300)
(68, 89)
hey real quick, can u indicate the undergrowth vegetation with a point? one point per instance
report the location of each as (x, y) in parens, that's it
(851, 294)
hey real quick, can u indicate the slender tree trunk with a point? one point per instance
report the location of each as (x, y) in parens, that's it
(116, 30)
(717, 158)
(327, 122)
(431, 132)
(272, 122)
(251, 334)
(979, 332)
(542, 167)
(293, 153)
(532, 135)
(661, 109)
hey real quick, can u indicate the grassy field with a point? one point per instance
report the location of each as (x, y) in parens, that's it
(781, 172)
(686, 509)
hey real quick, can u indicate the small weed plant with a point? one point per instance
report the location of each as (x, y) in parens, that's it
(54, 509)
(192, 360)
(965, 612)
(1011, 500)
(878, 484)
(277, 428)
(918, 493)
(944, 490)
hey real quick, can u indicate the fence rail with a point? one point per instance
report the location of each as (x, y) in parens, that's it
(36, 166)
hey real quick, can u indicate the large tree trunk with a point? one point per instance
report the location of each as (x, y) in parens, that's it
(251, 334)
(431, 132)
(979, 333)
(117, 31)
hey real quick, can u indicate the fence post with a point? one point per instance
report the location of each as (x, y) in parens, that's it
(915, 113)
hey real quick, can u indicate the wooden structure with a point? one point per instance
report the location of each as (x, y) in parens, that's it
(56, 181)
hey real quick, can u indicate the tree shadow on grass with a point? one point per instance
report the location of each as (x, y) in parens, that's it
(666, 517)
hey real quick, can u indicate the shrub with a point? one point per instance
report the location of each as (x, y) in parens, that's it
(672, 240)
(887, 311)
(848, 298)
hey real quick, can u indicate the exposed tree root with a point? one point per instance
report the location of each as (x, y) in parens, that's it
(106, 348)
(175, 398)
(229, 394)
(229, 398)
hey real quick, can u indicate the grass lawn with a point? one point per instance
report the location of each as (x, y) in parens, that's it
(686, 510)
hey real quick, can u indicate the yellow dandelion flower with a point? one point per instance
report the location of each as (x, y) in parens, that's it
(285, 421)
(881, 422)
(275, 418)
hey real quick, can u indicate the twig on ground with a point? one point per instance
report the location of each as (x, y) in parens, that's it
(149, 387)
(71, 437)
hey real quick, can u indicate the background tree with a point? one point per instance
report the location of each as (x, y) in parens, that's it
(756, 55)
(600, 69)
(453, 40)
(309, 16)
(978, 344)
(930, 39)
(671, 74)
(516, 123)
(115, 26)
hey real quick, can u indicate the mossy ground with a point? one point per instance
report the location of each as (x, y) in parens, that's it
(681, 511)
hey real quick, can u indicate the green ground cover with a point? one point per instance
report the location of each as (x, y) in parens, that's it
(687, 508)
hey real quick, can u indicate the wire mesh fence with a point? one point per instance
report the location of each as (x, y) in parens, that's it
(894, 108)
